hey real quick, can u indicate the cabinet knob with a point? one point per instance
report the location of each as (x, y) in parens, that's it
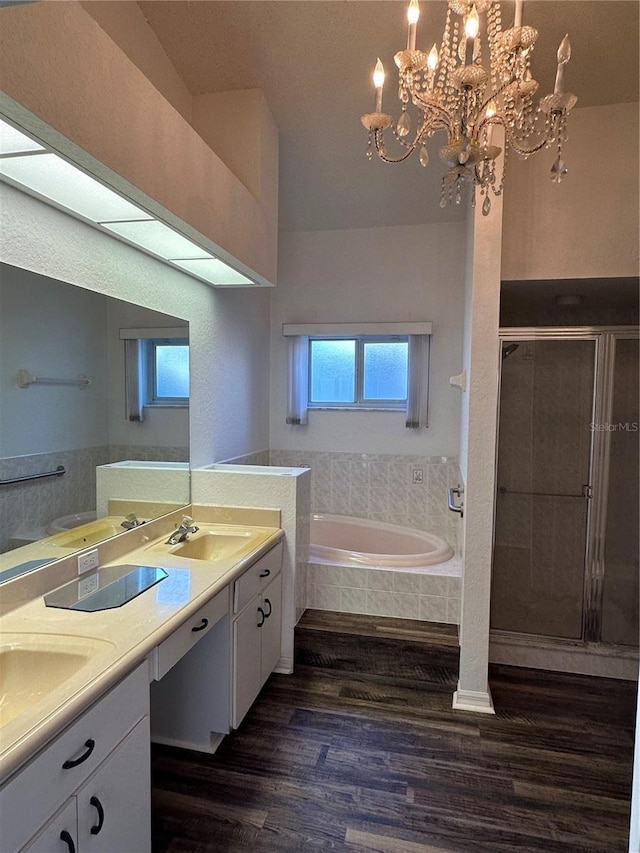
(68, 840)
(265, 573)
(262, 617)
(69, 763)
(95, 802)
(266, 615)
(201, 626)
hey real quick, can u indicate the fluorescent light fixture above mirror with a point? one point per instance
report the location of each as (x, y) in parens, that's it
(214, 271)
(156, 237)
(14, 142)
(32, 166)
(58, 181)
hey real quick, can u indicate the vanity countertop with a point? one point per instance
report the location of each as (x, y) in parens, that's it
(128, 634)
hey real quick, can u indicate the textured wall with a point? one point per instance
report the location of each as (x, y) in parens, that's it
(372, 275)
(587, 226)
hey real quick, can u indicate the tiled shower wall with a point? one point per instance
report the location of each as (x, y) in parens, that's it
(26, 508)
(381, 487)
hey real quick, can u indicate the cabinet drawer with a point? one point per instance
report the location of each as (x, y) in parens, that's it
(256, 578)
(168, 653)
(34, 794)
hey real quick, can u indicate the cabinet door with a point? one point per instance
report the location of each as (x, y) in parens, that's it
(114, 812)
(60, 835)
(271, 629)
(247, 667)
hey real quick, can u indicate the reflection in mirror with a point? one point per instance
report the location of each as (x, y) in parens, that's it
(51, 330)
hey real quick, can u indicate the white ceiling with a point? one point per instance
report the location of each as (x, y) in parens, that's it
(313, 60)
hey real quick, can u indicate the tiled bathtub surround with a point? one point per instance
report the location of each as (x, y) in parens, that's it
(27, 508)
(406, 593)
(381, 487)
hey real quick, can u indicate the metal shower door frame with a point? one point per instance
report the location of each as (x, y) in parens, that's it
(604, 338)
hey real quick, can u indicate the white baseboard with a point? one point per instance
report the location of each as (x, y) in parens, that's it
(285, 665)
(473, 700)
(210, 746)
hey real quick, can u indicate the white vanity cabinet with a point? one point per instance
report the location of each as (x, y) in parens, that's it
(93, 776)
(105, 815)
(257, 629)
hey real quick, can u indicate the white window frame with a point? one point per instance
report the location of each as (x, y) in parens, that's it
(137, 381)
(150, 378)
(360, 402)
(419, 337)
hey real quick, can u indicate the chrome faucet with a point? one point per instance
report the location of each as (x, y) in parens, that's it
(186, 527)
(131, 521)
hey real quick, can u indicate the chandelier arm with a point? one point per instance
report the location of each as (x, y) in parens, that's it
(526, 151)
(444, 117)
(411, 148)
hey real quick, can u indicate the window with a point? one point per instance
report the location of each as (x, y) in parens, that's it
(156, 363)
(361, 372)
(366, 366)
(166, 367)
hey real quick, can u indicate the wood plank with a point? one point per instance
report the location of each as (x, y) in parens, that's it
(359, 750)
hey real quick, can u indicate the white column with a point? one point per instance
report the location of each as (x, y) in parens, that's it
(477, 448)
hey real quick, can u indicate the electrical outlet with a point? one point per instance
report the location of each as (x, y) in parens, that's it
(417, 475)
(87, 585)
(88, 561)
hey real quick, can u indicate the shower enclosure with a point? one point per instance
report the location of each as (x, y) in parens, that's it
(565, 563)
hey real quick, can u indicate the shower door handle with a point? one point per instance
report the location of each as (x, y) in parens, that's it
(451, 502)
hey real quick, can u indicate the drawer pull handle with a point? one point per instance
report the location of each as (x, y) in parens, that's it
(69, 763)
(261, 612)
(265, 574)
(201, 626)
(95, 802)
(68, 840)
(266, 615)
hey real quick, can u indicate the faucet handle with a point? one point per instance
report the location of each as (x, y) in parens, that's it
(187, 521)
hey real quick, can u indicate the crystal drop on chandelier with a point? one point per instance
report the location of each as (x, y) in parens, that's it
(424, 156)
(486, 205)
(404, 124)
(559, 171)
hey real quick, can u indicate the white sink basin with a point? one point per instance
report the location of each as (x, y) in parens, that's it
(33, 665)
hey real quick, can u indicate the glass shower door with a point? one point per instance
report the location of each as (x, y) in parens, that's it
(543, 475)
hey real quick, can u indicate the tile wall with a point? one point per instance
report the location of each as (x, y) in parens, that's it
(381, 487)
(386, 592)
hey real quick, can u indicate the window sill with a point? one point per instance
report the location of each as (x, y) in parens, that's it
(400, 410)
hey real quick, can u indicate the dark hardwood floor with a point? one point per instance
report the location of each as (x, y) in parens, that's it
(360, 750)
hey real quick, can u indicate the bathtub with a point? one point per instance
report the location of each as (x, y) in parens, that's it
(360, 566)
(345, 541)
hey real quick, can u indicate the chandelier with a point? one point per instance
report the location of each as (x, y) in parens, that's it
(468, 87)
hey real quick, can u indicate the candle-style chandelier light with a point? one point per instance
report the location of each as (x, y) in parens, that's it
(467, 87)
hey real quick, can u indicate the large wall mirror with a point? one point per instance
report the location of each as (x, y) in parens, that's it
(54, 330)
